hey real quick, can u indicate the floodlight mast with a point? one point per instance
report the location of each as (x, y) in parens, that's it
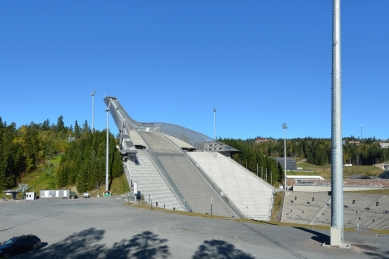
(214, 123)
(93, 117)
(337, 214)
(284, 127)
(107, 152)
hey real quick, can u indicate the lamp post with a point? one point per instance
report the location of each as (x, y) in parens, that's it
(107, 152)
(93, 117)
(214, 123)
(284, 127)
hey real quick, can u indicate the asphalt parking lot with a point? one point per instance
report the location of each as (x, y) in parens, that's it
(108, 228)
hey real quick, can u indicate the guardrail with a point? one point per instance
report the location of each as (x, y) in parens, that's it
(165, 175)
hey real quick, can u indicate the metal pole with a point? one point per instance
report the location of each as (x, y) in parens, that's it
(93, 117)
(337, 214)
(284, 127)
(211, 207)
(257, 169)
(214, 123)
(107, 156)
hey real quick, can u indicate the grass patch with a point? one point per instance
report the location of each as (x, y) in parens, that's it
(277, 206)
(368, 170)
(120, 185)
(38, 180)
(325, 171)
(376, 191)
(301, 173)
(146, 206)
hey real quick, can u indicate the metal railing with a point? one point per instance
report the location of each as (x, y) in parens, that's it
(263, 182)
(248, 172)
(150, 152)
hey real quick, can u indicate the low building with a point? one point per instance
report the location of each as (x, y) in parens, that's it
(290, 163)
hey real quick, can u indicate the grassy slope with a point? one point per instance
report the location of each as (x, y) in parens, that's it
(41, 179)
(325, 171)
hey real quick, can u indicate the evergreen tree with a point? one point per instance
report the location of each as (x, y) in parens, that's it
(77, 130)
(60, 124)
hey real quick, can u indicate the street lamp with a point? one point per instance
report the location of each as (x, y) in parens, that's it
(284, 127)
(214, 123)
(93, 95)
(107, 152)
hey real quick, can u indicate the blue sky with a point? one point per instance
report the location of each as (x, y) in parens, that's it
(260, 63)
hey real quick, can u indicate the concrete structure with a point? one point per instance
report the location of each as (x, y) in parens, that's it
(249, 193)
(158, 156)
(144, 177)
(361, 211)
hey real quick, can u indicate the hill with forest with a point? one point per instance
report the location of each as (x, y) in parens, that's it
(47, 149)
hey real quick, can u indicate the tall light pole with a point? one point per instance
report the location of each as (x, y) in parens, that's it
(284, 127)
(93, 110)
(337, 213)
(107, 151)
(214, 123)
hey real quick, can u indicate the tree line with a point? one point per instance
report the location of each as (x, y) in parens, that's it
(316, 151)
(32, 146)
(84, 163)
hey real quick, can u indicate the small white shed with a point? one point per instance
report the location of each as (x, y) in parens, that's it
(30, 196)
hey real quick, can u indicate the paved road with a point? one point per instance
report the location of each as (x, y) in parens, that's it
(107, 228)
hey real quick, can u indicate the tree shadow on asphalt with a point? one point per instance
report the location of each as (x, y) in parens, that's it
(319, 237)
(142, 246)
(218, 249)
(84, 245)
(78, 245)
